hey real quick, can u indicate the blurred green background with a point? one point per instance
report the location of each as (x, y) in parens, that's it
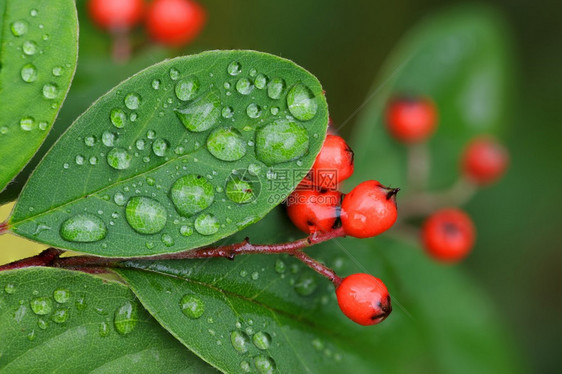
(517, 258)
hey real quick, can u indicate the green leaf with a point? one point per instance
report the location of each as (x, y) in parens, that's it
(441, 321)
(39, 48)
(57, 320)
(461, 59)
(155, 165)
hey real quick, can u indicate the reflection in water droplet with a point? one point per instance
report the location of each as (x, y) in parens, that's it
(174, 74)
(245, 367)
(27, 124)
(167, 240)
(119, 158)
(159, 147)
(260, 82)
(119, 199)
(29, 47)
(57, 71)
(28, 73)
(156, 84)
(201, 114)
(61, 295)
(42, 324)
(19, 28)
(261, 340)
(79, 160)
(281, 141)
(306, 284)
(118, 118)
(254, 169)
(186, 230)
(275, 88)
(192, 194)
(132, 101)
(244, 86)
(280, 266)
(264, 364)
(104, 329)
(50, 91)
(192, 306)
(10, 289)
(302, 103)
(226, 144)
(145, 215)
(108, 138)
(234, 68)
(41, 306)
(253, 110)
(151, 134)
(60, 316)
(125, 318)
(90, 141)
(83, 228)
(206, 224)
(239, 341)
(80, 303)
(187, 88)
(240, 191)
(227, 112)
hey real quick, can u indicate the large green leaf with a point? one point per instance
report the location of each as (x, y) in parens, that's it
(39, 47)
(180, 155)
(460, 58)
(441, 321)
(53, 320)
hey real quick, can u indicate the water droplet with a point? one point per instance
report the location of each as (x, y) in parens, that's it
(240, 191)
(118, 118)
(245, 367)
(42, 324)
(29, 47)
(302, 103)
(57, 71)
(243, 273)
(260, 82)
(10, 289)
(201, 114)
(108, 138)
(125, 318)
(244, 86)
(192, 194)
(119, 199)
(19, 28)
(80, 303)
(261, 340)
(50, 91)
(264, 364)
(33, 12)
(83, 228)
(174, 74)
(41, 306)
(234, 68)
(151, 134)
(90, 141)
(119, 158)
(79, 160)
(239, 341)
(156, 84)
(192, 306)
(29, 73)
(206, 224)
(186, 230)
(27, 124)
(150, 181)
(281, 141)
(32, 335)
(226, 144)
(145, 215)
(132, 101)
(167, 240)
(306, 284)
(227, 112)
(60, 316)
(253, 111)
(159, 147)
(280, 266)
(275, 88)
(254, 169)
(61, 295)
(187, 88)
(103, 329)
(3, 130)
(318, 344)
(255, 275)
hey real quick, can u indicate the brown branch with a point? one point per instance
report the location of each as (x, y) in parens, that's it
(4, 227)
(319, 268)
(45, 258)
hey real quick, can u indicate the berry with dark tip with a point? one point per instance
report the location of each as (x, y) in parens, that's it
(411, 120)
(448, 235)
(313, 211)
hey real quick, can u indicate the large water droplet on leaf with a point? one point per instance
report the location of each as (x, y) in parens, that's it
(41, 306)
(264, 364)
(234, 68)
(186, 89)
(132, 101)
(145, 215)
(201, 114)
(244, 86)
(19, 28)
(206, 224)
(192, 194)
(159, 147)
(118, 118)
(125, 318)
(239, 341)
(61, 295)
(240, 191)
(50, 91)
(260, 82)
(281, 141)
(108, 138)
(253, 110)
(226, 144)
(27, 123)
(192, 306)
(60, 316)
(261, 340)
(83, 228)
(28, 73)
(302, 103)
(119, 158)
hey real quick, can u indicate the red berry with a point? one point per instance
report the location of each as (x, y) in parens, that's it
(116, 14)
(369, 209)
(411, 120)
(334, 163)
(175, 22)
(448, 235)
(364, 299)
(313, 211)
(484, 160)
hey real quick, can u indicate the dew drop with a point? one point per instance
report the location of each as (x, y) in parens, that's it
(132, 101)
(119, 158)
(139, 144)
(27, 124)
(227, 112)
(151, 134)
(160, 147)
(234, 68)
(302, 103)
(260, 82)
(187, 88)
(42, 324)
(79, 160)
(80, 303)
(201, 114)
(244, 86)
(245, 367)
(240, 191)
(145, 215)
(255, 275)
(103, 329)
(90, 141)
(226, 144)
(156, 84)
(61, 295)
(275, 88)
(29, 73)
(254, 169)
(253, 110)
(50, 91)
(192, 306)
(206, 224)
(10, 289)
(60, 316)
(192, 194)
(29, 47)
(119, 199)
(83, 228)
(41, 306)
(186, 230)
(281, 141)
(239, 341)
(280, 266)
(167, 240)
(261, 340)
(3, 130)
(19, 28)
(32, 335)
(264, 364)
(118, 118)
(108, 138)
(274, 110)
(125, 318)
(57, 71)
(174, 74)
(306, 284)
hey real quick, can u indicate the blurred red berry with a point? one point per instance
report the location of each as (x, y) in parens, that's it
(116, 14)
(448, 235)
(369, 209)
(484, 160)
(411, 120)
(364, 299)
(313, 211)
(333, 165)
(175, 22)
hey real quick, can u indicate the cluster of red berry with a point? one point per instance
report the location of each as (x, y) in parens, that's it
(170, 22)
(447, 234)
